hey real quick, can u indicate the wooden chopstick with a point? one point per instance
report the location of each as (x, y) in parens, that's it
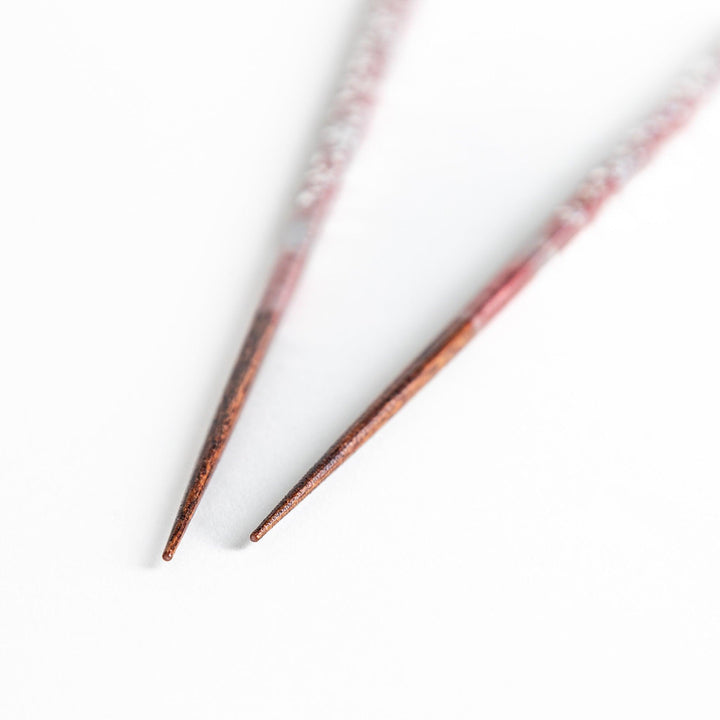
(339, 138)
(565, 223)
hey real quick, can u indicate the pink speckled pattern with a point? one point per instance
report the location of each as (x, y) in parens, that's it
(350, 110)
(348, 117)
(598, 187)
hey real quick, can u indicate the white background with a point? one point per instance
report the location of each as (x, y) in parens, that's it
(537, 535)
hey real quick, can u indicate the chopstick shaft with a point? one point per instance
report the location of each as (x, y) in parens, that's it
(347, 120)
(565, 223)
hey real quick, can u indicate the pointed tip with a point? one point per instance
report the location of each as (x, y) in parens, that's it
(178, 530)
(173, 541)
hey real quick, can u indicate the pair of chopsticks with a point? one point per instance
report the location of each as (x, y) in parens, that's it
(348, 118)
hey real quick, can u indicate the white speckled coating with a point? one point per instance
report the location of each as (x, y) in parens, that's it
(348, 117)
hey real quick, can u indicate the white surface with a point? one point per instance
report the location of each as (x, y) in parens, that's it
(536, 536)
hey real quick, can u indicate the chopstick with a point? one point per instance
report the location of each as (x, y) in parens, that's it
(348, 117)
(565, 223)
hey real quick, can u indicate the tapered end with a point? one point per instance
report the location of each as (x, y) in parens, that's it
(280, 511)
(176, 536)
(187, 510)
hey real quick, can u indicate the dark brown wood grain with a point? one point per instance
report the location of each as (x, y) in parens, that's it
(233, 399)
(417, 375)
